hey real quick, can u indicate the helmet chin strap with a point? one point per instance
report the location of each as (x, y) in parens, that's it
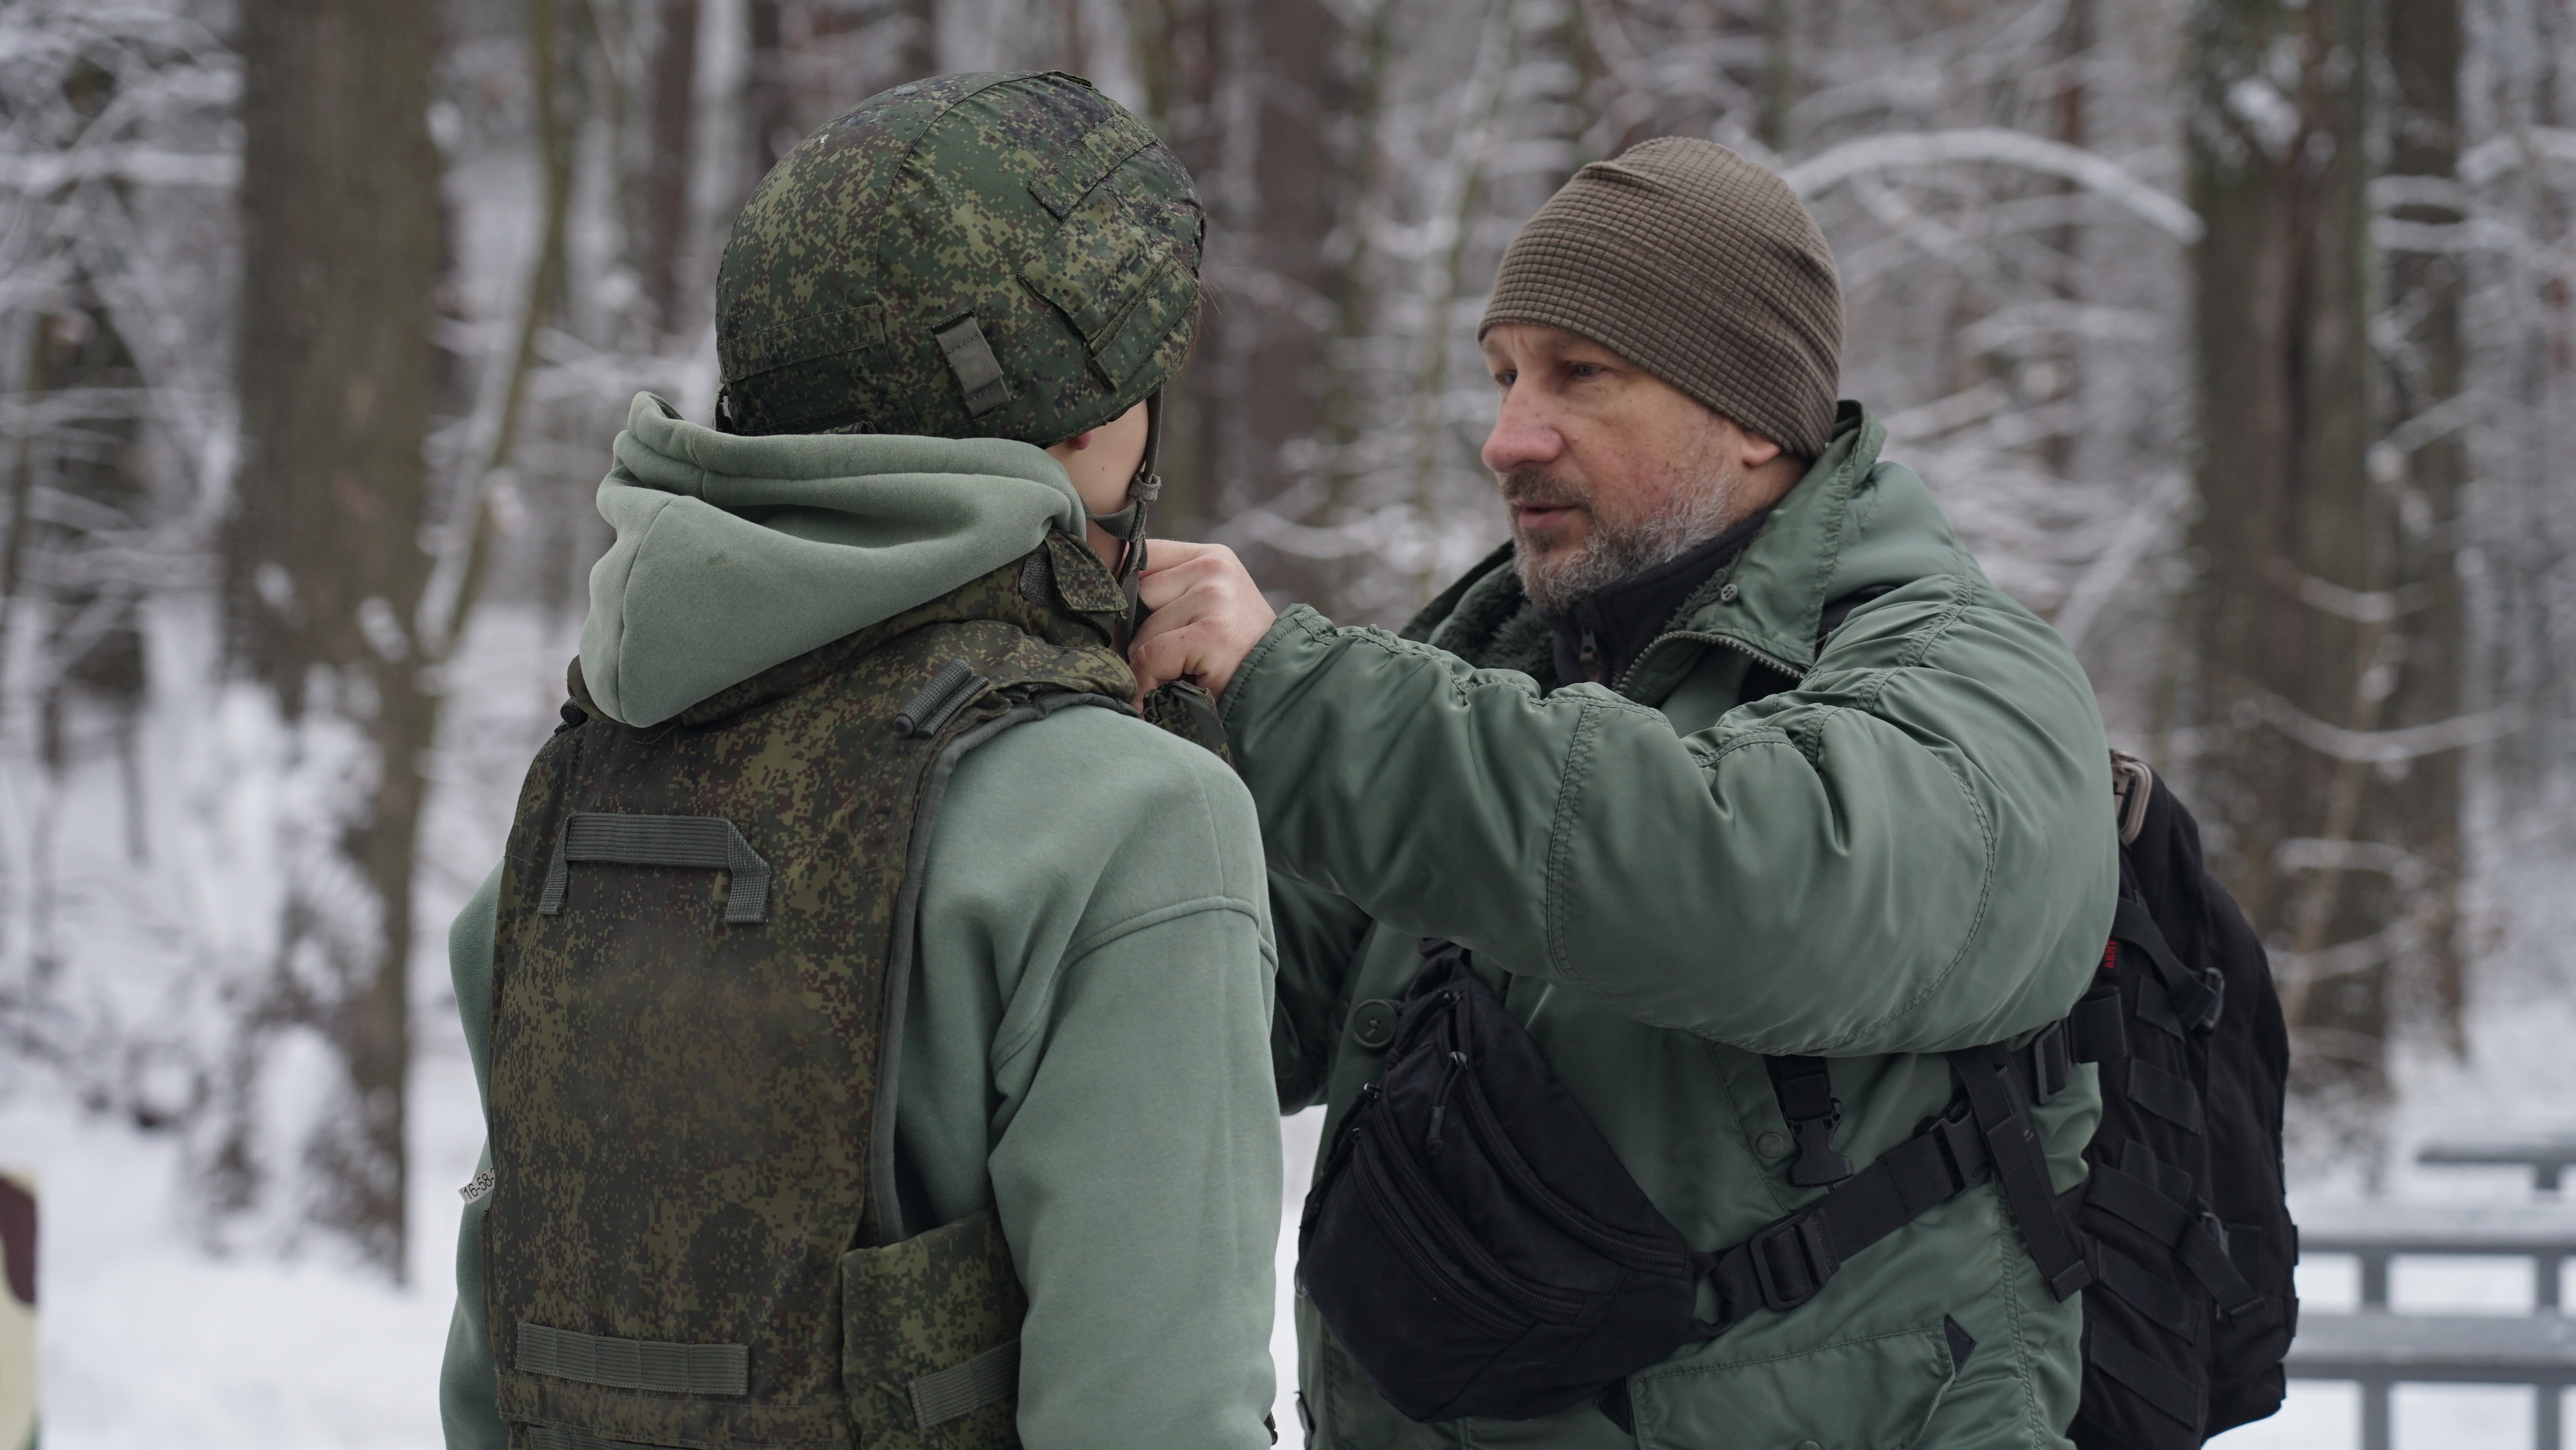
(1127, 525)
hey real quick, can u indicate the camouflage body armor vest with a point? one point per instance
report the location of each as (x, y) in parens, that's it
(705, 942)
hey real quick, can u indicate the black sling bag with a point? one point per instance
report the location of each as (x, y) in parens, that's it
(1478, 1248)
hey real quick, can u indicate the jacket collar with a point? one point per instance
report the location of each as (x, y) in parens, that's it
(1769, 601)
(1780, 584)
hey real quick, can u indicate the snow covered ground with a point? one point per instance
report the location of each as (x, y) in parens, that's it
(150, 1344)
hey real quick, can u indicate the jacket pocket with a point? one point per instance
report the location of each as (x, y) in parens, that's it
(1876, 1393)
(930, 1345)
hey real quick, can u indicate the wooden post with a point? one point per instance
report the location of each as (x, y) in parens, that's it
(17, 1310)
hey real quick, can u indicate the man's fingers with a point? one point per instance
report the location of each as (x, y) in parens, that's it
(1175, 572)
(1161, 554)
(1206, 616)
(1159, 658)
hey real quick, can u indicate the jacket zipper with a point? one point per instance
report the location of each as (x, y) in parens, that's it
(1702, 637)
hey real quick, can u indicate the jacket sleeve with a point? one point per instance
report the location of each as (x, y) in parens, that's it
(1139, 1186)
(468, 1389)
(1319, 941)
(1911, 852)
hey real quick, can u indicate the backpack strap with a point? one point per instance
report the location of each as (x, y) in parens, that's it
(2197, 997)
(1807, 1101)
(2003, 1115)
(1790, 1260)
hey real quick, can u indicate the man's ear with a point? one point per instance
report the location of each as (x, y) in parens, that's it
(1752, 450)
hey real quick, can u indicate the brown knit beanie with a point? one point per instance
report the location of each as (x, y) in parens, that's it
(1699, 266)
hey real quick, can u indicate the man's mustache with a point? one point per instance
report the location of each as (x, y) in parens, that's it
(1538, 490)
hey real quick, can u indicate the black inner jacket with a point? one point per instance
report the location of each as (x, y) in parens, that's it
(1604, 632)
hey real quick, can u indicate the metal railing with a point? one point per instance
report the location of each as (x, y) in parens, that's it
(2378, 1348)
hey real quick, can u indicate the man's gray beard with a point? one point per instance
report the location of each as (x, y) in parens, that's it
(1698, 512)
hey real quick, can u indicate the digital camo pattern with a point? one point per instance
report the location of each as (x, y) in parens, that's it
(1028, 201)
(927, 1304)
(680, 1107)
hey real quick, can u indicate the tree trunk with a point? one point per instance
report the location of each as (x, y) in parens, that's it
(2278, 165)
(674, 119)
(1248, 419)
(322, 563)
(2425, 462)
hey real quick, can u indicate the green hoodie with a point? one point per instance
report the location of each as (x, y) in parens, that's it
(1908, 848)
(1086, 1048)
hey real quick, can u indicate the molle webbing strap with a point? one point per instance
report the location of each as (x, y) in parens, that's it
(2197, 996)
(2148, 1292)
(2143, 1192)
(962, 1389)
(634, 840)
(2111, 1352)
(2165, 1095)
(634, 1364)
(971, 358)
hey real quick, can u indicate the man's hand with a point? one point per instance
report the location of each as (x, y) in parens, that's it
(1207, 615)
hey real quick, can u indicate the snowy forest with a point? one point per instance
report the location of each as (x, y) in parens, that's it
(2237, 337)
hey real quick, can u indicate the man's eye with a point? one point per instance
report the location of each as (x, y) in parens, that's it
(1504, 380)
(1583, 370)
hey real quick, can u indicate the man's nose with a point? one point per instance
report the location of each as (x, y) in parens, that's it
(1522, 438)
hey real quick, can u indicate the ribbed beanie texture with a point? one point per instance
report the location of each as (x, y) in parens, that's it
(1702, 268)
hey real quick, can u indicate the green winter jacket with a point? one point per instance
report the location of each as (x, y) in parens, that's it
(1084, 1048)
(1908, 849)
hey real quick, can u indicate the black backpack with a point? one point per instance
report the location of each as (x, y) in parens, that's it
(1477, 1248)
(2187, 1227)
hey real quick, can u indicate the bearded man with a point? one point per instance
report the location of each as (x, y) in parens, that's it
(1745, 798)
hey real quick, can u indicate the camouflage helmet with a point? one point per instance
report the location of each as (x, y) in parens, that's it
(995, 255)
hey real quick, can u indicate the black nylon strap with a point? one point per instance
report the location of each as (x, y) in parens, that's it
(2166, 1178)
(2012, 1141)
(1785, 1264)
(2094, 1028)
(2126, 1196)
(2195, 997)
(2203, 1250)
(2052, 1062)
(1789, 1261)
(2115, 1356)
(2198, 1240)
(1806, 1093)
(2148, 1292)
(2157, 1009)
(2163, 1094)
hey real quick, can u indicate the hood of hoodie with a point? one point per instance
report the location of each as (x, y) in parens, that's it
(734, 554)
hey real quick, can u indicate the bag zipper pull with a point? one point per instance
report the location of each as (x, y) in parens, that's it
(1440, 1099)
